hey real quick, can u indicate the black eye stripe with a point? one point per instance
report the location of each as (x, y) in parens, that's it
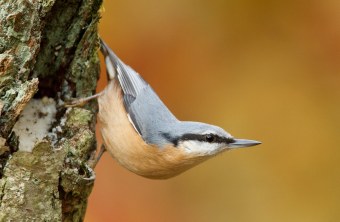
(210, 138)
(206, 138)
(173, 140)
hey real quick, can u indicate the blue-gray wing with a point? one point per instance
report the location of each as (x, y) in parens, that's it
(147, 112)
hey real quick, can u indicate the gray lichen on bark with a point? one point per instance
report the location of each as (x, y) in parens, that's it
(47, 48)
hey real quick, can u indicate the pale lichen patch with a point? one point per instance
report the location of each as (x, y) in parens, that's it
(34, 122)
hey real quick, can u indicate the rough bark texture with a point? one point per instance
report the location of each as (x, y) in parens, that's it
(47, 48)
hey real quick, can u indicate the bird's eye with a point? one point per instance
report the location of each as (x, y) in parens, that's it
(209, 138)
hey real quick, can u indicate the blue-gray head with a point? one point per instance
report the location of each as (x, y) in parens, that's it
(202, 139)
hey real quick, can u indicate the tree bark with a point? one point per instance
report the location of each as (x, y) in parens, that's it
(48, 48)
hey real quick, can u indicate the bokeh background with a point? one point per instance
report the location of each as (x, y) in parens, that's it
(264, 70)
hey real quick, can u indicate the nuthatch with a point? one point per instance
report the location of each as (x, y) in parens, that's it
(141, 133)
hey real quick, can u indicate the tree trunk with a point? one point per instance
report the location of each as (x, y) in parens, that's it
(48, 54)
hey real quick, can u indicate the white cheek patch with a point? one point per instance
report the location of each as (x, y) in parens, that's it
(201, 148)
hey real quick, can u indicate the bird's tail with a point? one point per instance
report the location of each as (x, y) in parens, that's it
(107, 52)
(131, 82)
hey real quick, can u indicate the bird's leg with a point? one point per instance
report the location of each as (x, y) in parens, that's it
(93, 162)
(82, 101)
(94, 159)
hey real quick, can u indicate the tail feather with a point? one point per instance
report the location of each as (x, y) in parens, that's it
(131, 82)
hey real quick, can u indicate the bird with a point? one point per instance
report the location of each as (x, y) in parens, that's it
(143, 135)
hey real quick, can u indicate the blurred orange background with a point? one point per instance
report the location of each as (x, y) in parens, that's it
(263, 70)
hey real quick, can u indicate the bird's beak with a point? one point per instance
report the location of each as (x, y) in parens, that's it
(238, 143)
